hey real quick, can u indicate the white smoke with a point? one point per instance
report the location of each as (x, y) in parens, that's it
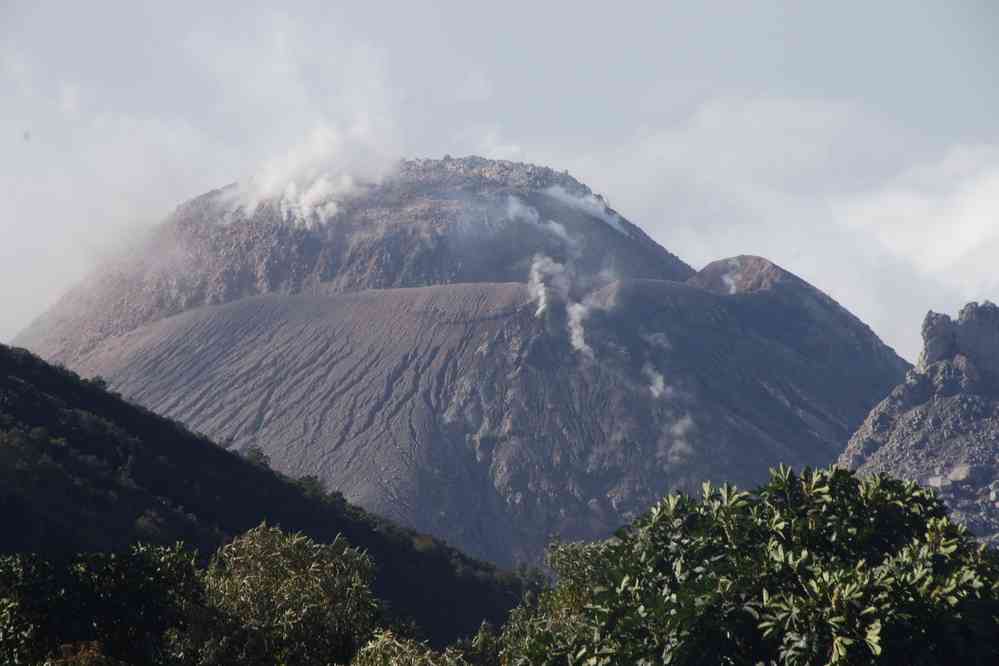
(657, 382)
(577, 312)
(680, 448)
(518, 210)
(310, 181)
(590, 204)
(729, 277)
(548, 281)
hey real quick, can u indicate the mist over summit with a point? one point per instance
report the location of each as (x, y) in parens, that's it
(484, 350)
(427, 222)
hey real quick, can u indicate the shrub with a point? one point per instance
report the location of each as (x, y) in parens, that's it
(124, 602)
(817, 568)
(281, 598)
(386, 649)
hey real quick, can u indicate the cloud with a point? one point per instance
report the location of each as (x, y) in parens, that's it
(844, 197)
(475, 88)
(485, 140)
(116, 143)
(713, 151)
(69, 100)
(941, 217)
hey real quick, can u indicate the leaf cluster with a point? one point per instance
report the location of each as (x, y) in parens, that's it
(818, 568)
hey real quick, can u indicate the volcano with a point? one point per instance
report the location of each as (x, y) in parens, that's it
(482, 350)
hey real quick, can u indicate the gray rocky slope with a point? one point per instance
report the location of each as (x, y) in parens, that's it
(940, 427)
(482, 350)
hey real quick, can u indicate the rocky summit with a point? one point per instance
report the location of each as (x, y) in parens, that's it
(483, 350)
(941, 426)
(430, 222)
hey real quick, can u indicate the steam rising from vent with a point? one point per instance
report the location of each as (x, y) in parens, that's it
(577, 335)
(518, 210)
(590, 204)
(657, 383)
(311, 180)
(548, 281)
(680, 448)
(729, 277)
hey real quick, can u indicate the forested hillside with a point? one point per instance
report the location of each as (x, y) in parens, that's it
(83, 470)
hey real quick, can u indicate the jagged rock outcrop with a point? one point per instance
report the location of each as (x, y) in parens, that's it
(482, 350)
(941, 426)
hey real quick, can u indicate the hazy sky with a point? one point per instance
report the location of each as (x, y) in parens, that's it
(856, 144)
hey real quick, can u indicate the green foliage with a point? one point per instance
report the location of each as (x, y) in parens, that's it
(386, 649)
(312, 486)
(482, 649)
(256, 456)
(267, 597)
(19, 643)
(122, 601)
(817, 568)
(282, 597)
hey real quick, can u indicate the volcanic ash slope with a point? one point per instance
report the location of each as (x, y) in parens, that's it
(482, 350)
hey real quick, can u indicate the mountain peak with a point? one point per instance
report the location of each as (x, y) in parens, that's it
(430, 222)
(484, 350)
(741, 274)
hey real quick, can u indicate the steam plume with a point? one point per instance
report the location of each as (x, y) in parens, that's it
(657, 383)
(518, 210)
(680, 449)
(310, 181)
(734, 266)
(577, 335)
(590, 204)
(548, 281)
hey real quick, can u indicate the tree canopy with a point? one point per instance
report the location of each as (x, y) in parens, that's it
(818, 568)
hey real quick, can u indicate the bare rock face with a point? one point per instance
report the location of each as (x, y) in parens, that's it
(941, 426)
(482, 350)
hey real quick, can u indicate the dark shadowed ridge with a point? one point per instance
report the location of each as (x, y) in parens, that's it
(397, 352)
(83, 470)
(941, 426)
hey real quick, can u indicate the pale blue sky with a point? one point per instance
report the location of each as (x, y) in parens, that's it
(854, 143)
